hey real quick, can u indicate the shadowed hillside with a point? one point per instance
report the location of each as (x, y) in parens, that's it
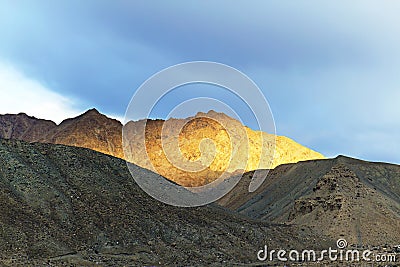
(69, 206)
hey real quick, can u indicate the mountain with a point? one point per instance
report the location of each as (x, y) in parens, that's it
(90, 130)
(197, 150)
(24, 127)
(340, 198)
(70, 206)
(211, 143)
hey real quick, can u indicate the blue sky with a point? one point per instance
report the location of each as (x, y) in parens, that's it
(330, 70)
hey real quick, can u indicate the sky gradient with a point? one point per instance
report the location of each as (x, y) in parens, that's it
(329, 70)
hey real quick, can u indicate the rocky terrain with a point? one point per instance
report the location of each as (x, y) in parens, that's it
(70, 206)
(340, 198)
(90, 130)
(191, 152)
(63, 205)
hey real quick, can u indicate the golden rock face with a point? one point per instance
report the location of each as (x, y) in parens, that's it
(198, 150)
(186, 152)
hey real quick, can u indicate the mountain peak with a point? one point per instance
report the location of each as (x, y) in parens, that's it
(92, 111)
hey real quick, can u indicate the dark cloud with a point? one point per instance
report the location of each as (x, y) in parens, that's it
(320, 64)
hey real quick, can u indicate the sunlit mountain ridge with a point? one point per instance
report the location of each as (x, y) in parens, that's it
(191, 152)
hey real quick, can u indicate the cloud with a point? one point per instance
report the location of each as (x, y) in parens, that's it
(19, 93)
(330, 71)
(342, 110)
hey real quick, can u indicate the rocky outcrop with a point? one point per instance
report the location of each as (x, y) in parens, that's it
(327, 194)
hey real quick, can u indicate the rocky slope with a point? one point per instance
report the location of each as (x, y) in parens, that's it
(340, 198)
(197, 150)
(69, 206)
(191, 152)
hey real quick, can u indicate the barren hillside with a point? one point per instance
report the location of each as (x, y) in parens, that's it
(341, 197)
(69, 206)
